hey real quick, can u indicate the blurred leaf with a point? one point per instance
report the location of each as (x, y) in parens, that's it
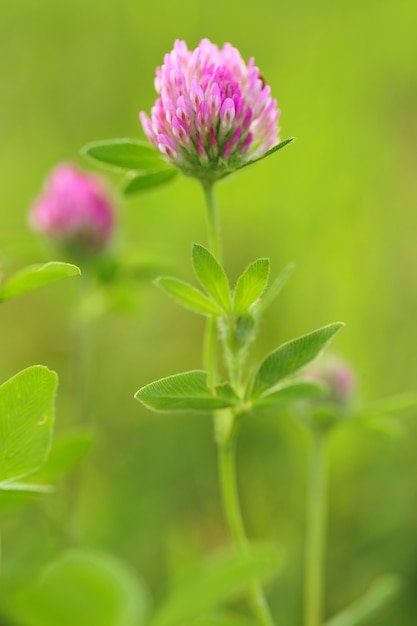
(250, 286)
(212, 276)
(222, 619)
(113, 290)
(83, 588)
(26, 422)
(383, 591)
(131, 265)
(384, 426)
(36, 276)
(126, 154)
(15, 485)
(268, 152)
(292, 392)
(393, 405)
(291, 356)
(223, 580)
(378, 417)
(275, 289)
(189, 296)
(67, 453)
(135, 183)
(186, 392)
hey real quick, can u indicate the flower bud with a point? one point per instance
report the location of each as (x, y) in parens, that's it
(337, 376)
(74, 210)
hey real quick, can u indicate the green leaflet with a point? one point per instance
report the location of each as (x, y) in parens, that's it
(212, 276)
(82, 587)
(250, 286)
(186, 392)
(189, 296)
(383, 591)
(17, 485)
(393, 405)
(142, 181)
(290, 357)
(223, 579)
(67, 452)
(222, 619)
(268, 152)
(126, 154)
(36, 276)
(291, 392)
(26, 423)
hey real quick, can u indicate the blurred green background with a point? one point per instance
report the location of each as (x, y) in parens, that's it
(340, 202)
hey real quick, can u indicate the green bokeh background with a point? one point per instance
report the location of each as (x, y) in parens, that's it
(340, 202)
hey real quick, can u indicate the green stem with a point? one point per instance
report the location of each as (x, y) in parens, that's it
(81, 356)
(210, 351)
(227, 470)
(315, 532)
(213, 223)
(80, 389)
(233, 356)
(227, 443)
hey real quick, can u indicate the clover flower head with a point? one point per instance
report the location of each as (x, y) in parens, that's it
(75, 210)
(213, 112)
(337, 375)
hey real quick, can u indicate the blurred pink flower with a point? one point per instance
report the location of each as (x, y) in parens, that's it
(75, 209)
(213, 112)
(338, 375)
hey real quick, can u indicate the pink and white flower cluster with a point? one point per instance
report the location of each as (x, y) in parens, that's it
(213, 112)
(337, 375)
(74, 209)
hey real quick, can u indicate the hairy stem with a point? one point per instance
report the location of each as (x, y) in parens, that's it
(227, 470)
(213, 224)
(315, 532)
(227, 443)
(210, 351)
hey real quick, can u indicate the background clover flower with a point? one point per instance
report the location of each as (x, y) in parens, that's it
(75, 210)
(339, 377)
(213, 112)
